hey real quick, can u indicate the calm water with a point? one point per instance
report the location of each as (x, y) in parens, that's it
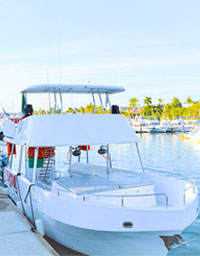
(168, 152)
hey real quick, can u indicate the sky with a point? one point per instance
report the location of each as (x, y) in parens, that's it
(150, 47)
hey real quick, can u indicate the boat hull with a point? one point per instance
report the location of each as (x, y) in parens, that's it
(93, 242)
(159, 129)
(96, 230)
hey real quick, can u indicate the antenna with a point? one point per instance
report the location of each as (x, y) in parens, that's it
(118, 84)
(47, 73)
(59, 72)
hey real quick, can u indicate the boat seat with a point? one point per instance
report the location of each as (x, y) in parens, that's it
(87, 183)
(89, 190)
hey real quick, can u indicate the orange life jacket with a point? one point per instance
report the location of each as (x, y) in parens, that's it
(84, 147)
(43, 152)
(9, 149)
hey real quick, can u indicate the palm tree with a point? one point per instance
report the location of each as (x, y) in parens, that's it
(82, 109)
(176, 103)
(133, 103)
(160, 101)
(69, 110)
(189, 100)
(89, 108)
(148, 101)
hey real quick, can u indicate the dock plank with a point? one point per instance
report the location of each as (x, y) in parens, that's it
(16, 237)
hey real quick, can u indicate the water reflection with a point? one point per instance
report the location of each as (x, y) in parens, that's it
(170, 152)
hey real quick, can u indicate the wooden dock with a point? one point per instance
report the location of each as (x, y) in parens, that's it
(16, 237)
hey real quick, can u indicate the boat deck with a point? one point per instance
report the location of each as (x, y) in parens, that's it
(89, 183)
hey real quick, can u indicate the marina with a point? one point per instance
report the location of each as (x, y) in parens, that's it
(116, 203)
(164, 126)
(100, 128)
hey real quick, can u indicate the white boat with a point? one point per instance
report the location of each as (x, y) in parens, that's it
(166, 124)
(177, 125)
(193, 135)
(140, 126)
(153, 126)
(96, 210)
(188, 125)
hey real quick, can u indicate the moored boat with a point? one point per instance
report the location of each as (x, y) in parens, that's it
(177, 125)
(140, 126)
(193, 135)
(93, 209)
(153, 126)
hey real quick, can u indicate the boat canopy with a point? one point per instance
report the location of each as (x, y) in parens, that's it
(72, 130)
(66, 88)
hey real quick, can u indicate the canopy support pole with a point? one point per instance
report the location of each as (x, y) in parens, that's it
(20, 159)
(49, 102)
(61, 102)
(55, 101)
(140, 157)
(93, 101)
(101, 102)
(70, 162)
(26, 160)
(87, 156)
(35, 165)
(12, 150)
(108, 100)
(108, 160)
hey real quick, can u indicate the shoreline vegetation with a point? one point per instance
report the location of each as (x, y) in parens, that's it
(169, 111)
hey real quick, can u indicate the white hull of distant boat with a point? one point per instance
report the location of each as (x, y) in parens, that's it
(155, 129)
(180, 129)
(177, 129)
(159, 129)
(153, 126)
(140, 129)
(149, 126)
(179, 126)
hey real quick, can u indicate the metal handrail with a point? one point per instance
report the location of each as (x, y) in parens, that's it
(185, 190)
(111, 196)
(192, 182)
(171, 174)
(133, 195)
(191, 186)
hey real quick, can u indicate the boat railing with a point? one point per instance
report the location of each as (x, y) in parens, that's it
(192, 186)
(172, 174)
(123, 197)
(180, 176)
(84, 196)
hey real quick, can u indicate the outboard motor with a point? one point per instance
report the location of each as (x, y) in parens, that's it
(28, 110)
(115, 109)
